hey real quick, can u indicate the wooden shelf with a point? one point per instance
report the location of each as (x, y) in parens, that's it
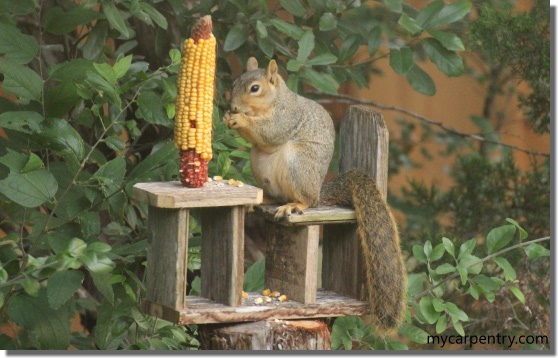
(312, 216)
(201, 310)
(173, 195)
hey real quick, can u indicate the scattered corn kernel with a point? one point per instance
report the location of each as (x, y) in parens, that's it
(244, 294)
(258, 300)
(217, 178)
(275, 294)
(282, 298)
(266, 292)
(267, 299)
(232, 182)
(239, 184)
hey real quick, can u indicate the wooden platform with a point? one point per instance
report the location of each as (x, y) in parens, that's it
(312, 216)
(173, 195)
(200, 310)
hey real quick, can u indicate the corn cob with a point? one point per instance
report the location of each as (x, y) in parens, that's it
(194, 104)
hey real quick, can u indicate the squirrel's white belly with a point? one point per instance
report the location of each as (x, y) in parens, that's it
(272, 171)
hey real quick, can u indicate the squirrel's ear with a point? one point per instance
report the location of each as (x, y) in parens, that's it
(272, 72)
(252, 64)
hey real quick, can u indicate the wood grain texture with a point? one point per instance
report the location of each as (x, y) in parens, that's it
(222, 260)
(312, 216)
(342, 264)
(167, 257)
(364, 144)
(267, 335)
(174, 195)
(200, 310)
(291, 264)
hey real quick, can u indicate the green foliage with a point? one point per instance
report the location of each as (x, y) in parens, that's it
(447, 278)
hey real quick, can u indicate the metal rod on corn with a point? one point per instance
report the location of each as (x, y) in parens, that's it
(194, 104)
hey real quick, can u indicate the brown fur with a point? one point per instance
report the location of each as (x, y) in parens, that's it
(292, 144)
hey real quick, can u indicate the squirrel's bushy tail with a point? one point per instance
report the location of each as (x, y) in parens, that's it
(385, 274)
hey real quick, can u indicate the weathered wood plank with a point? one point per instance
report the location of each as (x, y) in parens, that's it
(312, 216)
(291, 264)
(342, 261)
(174, 195)
(167, 256)
(363, 144)
(200, 310)
(267, 335)
(222, 261)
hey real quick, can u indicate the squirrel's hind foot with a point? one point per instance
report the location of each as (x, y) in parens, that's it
(288, 209)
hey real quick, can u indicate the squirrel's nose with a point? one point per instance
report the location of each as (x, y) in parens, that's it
(234, 109)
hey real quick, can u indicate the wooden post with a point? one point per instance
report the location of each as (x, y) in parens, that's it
(222, 264)
(291, 264)
(363, 144)
(167, 255)
(267, 335)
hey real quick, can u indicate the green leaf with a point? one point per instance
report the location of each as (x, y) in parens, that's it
(114, 18)
(62, 286)
(322, 59)
(485, 283)
(427, 248)
(288, 29)
(295, 7)
(426, 14)
(150, 108)
(448, 40)
(115, 143)
(49, 329)
(349, 46)
(261, 29)
(458, 327)
(20, 7)
(305, 45)
(76, 247)
(236, 37)
(17, 47)
(122, 66)
(101, 281)
(414, 283)
(321, 81)
(328, 22)
(447, 61)
(499, 237)
(455, 312)
(418, 253)
(462, 274)
(415, 334)
(33, 163)
(155, 15)
(427, 310)
(394, 5)
(409, 24)
(29, 189)
(509, 272)
(448, 244)
(472, 290)
(294, 65)
(21, 80)
(445, 269)
(31, 286)
(396, 345)
(21, 121)
(254, 277)
(449, 14)
(441, 324)
(96, 40)
(534, 251)
(467, 247)
(150, 166)
(522, 233)
(106, 70)
(438, 305)
(60, 22)
(60, 136)
(517, 293)
(98, 246)
(420, 81)
(472, 263)
(110, 175)
(97, 263)
(401, 60)
(374, 40)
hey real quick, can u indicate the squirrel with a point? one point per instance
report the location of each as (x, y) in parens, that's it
(292, 141)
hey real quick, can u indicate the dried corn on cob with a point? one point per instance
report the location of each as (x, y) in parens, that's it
(194, 104)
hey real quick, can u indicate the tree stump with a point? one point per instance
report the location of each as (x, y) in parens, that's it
(267, 335)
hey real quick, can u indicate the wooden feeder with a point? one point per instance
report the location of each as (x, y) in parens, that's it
(291, 261)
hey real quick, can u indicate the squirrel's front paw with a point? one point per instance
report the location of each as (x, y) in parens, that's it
(234, 120)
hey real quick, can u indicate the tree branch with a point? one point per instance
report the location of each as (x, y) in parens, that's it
(341, 98)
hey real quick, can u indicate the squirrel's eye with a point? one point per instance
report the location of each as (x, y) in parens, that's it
(254, 88)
